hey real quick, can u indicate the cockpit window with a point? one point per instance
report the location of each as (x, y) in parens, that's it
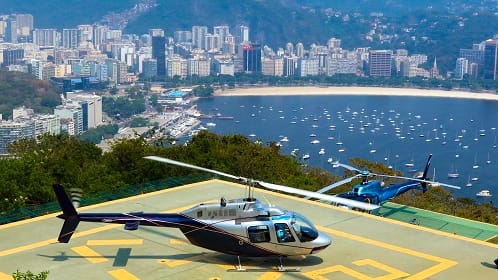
(303, 227)
(283, 233)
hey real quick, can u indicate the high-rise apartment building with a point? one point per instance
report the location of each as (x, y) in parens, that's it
(379, 63)
(45, 38)
(12, 56)
(159, 54)
(242, 34)
(251, 57)
(222, 31)
(12, 131)
(24, 24)
(490, 69)
(70, 38)
(198, 33)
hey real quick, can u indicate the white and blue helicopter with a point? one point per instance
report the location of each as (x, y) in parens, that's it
(373, 191)
(242, 227)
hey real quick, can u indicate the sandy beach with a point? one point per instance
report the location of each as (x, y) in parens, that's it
(379, 91)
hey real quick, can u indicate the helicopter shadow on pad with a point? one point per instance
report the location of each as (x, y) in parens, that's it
(252, 264)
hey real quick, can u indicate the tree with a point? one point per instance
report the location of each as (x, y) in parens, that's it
(28, 275)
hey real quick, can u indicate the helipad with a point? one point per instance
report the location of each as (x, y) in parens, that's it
(364, 246)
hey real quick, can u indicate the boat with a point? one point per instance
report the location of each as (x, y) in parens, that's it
(476, 165)
(469, 184)
(453, 174)
(484, 193)
(306, 156)
(316, 141)
(322, 151)
(210, 124)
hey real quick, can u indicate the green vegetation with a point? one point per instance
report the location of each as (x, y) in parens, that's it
(202, 91)
(95, 135)
(123, 107)
(20, 89)
(28, 275)
(139, 122)
(27, 179)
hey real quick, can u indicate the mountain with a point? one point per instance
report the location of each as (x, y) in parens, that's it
(64, 13)
(438, 28)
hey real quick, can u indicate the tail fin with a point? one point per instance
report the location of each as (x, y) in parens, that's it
(69, 214)
(426, 170)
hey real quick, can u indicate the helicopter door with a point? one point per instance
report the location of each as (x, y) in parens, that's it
(283, 233)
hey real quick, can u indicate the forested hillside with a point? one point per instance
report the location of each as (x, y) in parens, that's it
(20, 89)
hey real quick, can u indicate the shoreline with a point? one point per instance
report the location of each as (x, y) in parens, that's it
(351, 91)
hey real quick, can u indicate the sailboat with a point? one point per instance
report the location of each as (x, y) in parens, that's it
(475, 166)
(488, 161)
(453, 174)
(469, 184)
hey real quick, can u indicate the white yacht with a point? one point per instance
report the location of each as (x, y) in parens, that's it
(484, 193)
(322, 151)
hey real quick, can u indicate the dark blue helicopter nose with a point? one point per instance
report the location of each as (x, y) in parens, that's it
(320, 243)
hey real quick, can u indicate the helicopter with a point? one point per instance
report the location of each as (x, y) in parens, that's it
(372, 191)
(242, 227)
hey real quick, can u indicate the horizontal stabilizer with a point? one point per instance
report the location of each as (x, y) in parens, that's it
(68, 229)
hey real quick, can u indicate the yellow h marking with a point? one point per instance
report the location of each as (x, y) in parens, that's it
(122, 274)
(89, 254)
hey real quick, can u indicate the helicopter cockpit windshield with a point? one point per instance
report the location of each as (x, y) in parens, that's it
(303, 227)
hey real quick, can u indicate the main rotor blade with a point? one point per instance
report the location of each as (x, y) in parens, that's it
(170, 161)
(418, 180)
(338, 183)
(347, 166)
(330, 198)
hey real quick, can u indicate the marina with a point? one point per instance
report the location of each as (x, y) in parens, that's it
(397, 131)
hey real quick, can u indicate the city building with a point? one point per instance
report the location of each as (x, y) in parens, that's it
(46, 38)
(198, 33)
(70, 38)
(149, 68)
(199, 67)
(176, 66)
(490, 67)
(159, 54)
(379, 63)
(11, 131)
(242, 34)
(307, 67)
(91, 107)
(12, 56)
(251, 57)
(461, 68)
(71, 118)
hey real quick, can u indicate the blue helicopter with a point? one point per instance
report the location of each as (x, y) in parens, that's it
(373, 192)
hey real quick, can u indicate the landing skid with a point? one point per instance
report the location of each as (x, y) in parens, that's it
(280, 268)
